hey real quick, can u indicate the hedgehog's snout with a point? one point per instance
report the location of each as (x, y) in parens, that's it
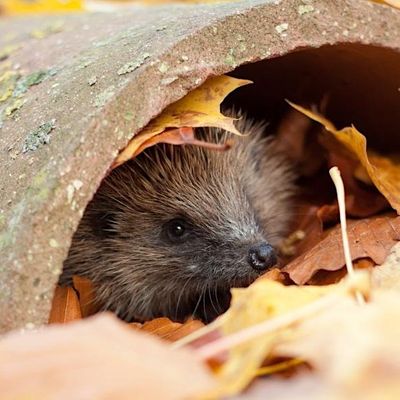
(262, 256)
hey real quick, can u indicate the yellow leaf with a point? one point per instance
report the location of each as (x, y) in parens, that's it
(354, 352)
(199, 108)
(384, 175)
(265, 301)
(40, 6)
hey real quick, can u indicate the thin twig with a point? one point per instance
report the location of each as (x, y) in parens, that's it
(338, 182)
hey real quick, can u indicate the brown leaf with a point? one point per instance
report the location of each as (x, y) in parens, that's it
(65, 306)
(84, 288)
(371, 237)
(160, 326)
(180, 136)
(166, 329)
(97, 358)
(71, 303)
(183, 330)
(323, 277)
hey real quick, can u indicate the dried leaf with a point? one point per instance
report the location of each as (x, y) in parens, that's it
(159, 326)
(370, 237)
(184, 330)
(71, 303)
(12, 7)
(262, 301)
(323, 277)
(180, 136)
(165, 329)
(361, 360)
(97, 358)
(385, 179)
(65, 306)
(84, 288)
(199, 108)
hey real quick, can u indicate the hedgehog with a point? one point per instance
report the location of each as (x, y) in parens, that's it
(169, 233)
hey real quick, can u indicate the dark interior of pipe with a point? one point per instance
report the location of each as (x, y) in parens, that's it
(353, 83)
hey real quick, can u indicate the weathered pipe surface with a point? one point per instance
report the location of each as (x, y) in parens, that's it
(74, 90)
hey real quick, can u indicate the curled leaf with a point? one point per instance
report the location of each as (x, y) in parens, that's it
(386, 179)
(199, 108)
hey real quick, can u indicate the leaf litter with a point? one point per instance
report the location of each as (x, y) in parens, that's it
(273, 319)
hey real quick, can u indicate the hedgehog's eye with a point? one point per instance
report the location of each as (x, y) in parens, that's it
(176, 230)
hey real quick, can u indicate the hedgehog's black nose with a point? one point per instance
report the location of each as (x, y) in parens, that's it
(262, 256)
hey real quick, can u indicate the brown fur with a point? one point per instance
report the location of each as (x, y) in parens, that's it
(230, 201)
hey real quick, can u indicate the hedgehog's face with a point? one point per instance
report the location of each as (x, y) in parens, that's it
(206, 259)
(177, 265)
(168, 258)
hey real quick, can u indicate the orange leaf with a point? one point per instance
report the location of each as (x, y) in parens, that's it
(65, 306)
(86, 293)
(167, 329)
